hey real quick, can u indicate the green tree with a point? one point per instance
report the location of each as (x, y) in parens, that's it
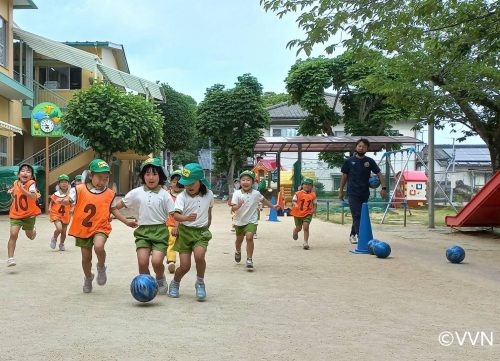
(442, 56)
(271, 98)
(179, 132)
(233, 119)
(110, 121)
(364, 113)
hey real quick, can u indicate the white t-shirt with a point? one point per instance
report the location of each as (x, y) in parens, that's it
(153, 206)
(185, 204)
(248, 213)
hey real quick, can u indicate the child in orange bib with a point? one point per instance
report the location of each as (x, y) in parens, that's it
(94, 202)
(60, 213)
(23, 210)
(304, 206)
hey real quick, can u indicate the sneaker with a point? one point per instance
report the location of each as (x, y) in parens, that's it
(61, 247)
(249, 264)
(171, 267)
(87, 284)
(237, 257)
(353, 239)
(295, 235)
(11, 262)
(162, 286)
(201, 293)
(173, 291)
(255, 236)
(53, 243)
(305, 245)
(101, 276)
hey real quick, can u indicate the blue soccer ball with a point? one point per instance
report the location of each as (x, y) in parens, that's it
(455, 254)
(143, 288)
(372, 243)
(374, 182)
(381, 249)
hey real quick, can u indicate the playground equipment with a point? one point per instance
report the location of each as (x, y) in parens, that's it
(390, 168)
(482, 210)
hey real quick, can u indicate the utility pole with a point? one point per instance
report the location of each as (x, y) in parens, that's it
(430, 164)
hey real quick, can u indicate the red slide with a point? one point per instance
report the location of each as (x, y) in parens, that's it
(483, 210)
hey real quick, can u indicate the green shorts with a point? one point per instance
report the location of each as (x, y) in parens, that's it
(299, 221)
(88, 242)
(191, 237)
(247, 228)
(28, 224)
(154, 236)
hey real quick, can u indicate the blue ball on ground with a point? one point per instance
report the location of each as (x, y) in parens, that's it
(143, 288)
(455, 254)
(372, 243)
(374, 182)
(381, 249)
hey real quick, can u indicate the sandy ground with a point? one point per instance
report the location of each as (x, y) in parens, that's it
(321, 304)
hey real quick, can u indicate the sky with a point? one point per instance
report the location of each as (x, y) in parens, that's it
(189, 44)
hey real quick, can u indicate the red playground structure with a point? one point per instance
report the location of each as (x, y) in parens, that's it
(483, 210)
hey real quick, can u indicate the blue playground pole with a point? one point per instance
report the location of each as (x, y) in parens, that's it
(365, 231)
(273, 215)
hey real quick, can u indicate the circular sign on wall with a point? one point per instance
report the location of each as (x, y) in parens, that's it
(46, 120)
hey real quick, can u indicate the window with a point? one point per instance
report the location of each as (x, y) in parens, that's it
(339, 133)
(3, 150)
(60, 77)
(276, 132)
(3, 41)
(284, 132)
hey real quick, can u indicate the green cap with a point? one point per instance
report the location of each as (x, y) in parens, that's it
(176, 173)
(191, 173)
(99, 166)
(248, 173)
(151, 161)
(78, 177)
(307, 180)
(63, 177)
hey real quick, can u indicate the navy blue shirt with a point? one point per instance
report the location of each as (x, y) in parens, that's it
(358, 172)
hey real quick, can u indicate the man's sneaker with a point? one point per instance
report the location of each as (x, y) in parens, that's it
(11, 262)
(249, 264)
(353, 239)
(87, 284)
(101, 276)
(61, 247)
(53, 243)
(173, 291)
(162, 286)
(305, 245)
(171, 267)
(237, 257)
(295, 235)
(201, 293)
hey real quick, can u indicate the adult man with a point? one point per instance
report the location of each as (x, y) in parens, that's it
(356, 172)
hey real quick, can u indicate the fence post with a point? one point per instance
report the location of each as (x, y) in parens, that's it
(327, 210)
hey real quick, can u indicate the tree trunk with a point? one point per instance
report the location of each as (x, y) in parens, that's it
(230, 174)
(494, 149)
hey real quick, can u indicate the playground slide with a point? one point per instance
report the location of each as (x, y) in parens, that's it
(483, 210)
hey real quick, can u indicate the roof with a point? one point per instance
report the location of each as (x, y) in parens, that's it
(327, 144)
(414, 176)
(268, 165)
(117, 49)
(24, 4)
(294, 111)
(466, 155)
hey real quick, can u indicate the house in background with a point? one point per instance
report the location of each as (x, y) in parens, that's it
(284, 122)
(52, 72)
(466, 165)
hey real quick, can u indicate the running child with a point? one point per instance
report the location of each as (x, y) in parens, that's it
(23, 210)
(154, 205)
(60, 213)
(193, 211)
(303, 208)
(245, 205)
(174, 190)
(93, 202)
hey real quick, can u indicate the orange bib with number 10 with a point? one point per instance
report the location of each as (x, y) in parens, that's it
(91, 214)
(23, 206)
